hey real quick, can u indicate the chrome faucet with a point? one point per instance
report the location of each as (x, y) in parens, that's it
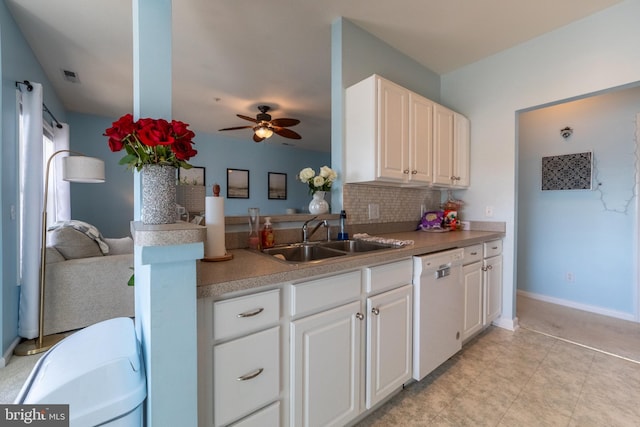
(305, 229)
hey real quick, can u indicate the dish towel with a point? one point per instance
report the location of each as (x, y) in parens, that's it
(394, 242)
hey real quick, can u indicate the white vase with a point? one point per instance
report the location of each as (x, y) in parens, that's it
(318, 205)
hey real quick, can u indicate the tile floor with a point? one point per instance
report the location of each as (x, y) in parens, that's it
(519, 379)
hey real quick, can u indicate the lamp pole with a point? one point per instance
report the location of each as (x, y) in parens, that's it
(44, 343)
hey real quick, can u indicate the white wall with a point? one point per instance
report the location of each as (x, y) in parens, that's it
(598, 52)
(587, 233)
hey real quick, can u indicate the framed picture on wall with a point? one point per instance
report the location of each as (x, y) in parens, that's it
(193, 176)
(567, 172)
(277, 186)
(237, 184)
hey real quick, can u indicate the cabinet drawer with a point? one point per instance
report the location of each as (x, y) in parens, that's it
(492, 248)
(327, 292)
(246, 375)
(472, 254)
(388, 276)
(242, 315)
(267, 417)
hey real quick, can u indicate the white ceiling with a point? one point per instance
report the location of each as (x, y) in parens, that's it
(231, 55)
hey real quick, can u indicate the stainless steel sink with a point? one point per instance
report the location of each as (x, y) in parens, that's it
(301, 252)
(355, 245)
(296, 253)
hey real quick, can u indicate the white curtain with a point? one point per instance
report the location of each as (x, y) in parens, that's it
(59, 202)
(31, 191)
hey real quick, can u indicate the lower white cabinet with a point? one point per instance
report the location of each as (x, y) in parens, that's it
(246, 375)
(473, 301)
(492, 277)
(266, 417)
(389, 343)
(325, 367)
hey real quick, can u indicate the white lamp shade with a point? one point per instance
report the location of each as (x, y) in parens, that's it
(82, 169)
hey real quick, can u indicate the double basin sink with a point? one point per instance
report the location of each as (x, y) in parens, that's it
(296, 253)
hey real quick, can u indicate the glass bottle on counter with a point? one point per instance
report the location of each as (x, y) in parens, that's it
(254, 231)
(267, 234)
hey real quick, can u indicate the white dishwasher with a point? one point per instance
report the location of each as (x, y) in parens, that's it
(438, 309)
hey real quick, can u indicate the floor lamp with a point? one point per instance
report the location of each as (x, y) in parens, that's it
(77, 168)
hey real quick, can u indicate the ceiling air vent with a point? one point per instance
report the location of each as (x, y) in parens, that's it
(70, 76)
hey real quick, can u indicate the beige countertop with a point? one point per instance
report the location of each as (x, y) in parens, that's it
(249, 270)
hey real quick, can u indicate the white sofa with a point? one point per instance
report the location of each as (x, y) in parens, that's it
(83, 285)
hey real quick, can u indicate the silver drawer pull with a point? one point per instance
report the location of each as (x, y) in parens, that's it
(375, 311)
(474, 253)
(359, 316)
(251, 313)
(251, 375)
(494, 247)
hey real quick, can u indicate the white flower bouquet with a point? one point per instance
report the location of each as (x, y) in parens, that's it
(320, 182)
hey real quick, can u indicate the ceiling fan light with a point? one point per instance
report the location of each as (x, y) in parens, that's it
(263, 132)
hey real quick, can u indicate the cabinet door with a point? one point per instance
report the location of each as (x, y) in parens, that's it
(389, 343)
(461, 148)
(473, 302)
(443, 145)
(492, 288)
(420, 139)
(325, 367)
(393, 135)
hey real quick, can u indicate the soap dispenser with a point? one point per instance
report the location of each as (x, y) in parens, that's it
(343, 235)
(267, 234)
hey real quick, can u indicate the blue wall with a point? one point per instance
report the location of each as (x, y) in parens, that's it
(109, 206)
(18, 64)
(589, 234)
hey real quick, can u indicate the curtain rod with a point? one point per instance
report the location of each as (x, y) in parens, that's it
(44, 107)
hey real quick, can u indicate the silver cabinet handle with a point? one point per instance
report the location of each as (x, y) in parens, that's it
(488, 267)
(414, 172)
(406, 171)
(375, 311)
(251, 313)
(359, 316)
(474, 253)
(494, 247)
(251, 375)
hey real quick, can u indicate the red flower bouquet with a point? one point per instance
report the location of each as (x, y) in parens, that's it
(150, 141)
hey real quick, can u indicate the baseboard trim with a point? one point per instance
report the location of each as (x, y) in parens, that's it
(578, 306)
(4, 360)
(506, 323)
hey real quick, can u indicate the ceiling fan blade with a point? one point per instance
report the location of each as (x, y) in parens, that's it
(236, 128)
(285, 122)
(287, 133)
(256, 138)
(251, 119)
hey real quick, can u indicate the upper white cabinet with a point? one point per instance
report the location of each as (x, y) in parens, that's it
(388, 134)
(395, 136)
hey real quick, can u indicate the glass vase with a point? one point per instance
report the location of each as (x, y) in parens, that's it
(318, 204)
(254, 228)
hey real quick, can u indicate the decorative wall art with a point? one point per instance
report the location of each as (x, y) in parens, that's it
(567, 172)
(193, 176)
(237, 184)
(277, 186)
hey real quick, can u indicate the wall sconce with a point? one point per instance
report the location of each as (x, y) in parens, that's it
(566, 132)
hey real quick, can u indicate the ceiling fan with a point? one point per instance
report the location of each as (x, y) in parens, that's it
(265, 127)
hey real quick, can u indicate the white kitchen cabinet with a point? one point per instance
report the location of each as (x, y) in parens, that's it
(443, 142)
(388, 134)
(325, 367)
(461, 152)
(492, 278)
(473, 294)
(239, 360)
(389, 343)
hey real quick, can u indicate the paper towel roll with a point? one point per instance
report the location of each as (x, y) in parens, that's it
(214, 221)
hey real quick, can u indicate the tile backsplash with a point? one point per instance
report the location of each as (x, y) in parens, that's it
(395, 204)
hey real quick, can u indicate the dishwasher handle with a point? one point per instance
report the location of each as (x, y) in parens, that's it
(443, 271)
